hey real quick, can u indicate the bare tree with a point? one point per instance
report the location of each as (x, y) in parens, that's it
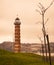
(42, 46)
(42, 13)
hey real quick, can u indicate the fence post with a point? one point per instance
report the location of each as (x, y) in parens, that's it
(49, 49)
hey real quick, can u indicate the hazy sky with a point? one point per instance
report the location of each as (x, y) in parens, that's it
(26, 10)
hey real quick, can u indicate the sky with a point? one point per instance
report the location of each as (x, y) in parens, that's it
(26, 10)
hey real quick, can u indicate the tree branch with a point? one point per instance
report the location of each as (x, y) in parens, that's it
(39, 11)
(46, 20)
(49, 5)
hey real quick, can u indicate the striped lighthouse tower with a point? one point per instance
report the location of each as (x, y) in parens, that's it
(17, 44)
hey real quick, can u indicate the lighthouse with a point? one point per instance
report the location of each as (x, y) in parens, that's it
(17, 44)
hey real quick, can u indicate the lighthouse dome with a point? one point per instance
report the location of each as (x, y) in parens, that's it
(17, 18)
(17, 21)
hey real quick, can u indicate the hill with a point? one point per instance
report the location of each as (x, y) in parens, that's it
(9, 58)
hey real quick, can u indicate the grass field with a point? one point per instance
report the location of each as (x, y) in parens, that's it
(9, 58)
